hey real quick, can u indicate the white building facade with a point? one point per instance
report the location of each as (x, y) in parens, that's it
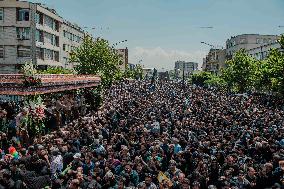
(247, 41)
(31, 32)
(260, 53)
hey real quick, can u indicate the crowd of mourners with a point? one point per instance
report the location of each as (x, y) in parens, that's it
(149, 136)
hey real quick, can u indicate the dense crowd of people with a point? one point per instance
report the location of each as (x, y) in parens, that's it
(157, 136)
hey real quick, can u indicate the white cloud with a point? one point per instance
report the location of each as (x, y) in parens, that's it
(161, 58)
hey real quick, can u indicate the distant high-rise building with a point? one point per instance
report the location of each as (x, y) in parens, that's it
(124, 57)
(186, 68)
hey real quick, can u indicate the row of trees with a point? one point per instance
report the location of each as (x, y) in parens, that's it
(245, 73)
(99, 58)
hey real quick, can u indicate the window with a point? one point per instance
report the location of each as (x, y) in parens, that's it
(48, 38)
(48, 54)
(65, 61)
(49, 22)
(1, 14)
(64, 47)
(1, 51)
(64, 33)
(24, 51)
(39, 18)
(23, 14)
(39, 36)
(265, 40)
(56, 56)
(1, 31)
(40, 53)
(23, 33)
(56, 25)
(57, 41)
(259, 41)
(264, 54)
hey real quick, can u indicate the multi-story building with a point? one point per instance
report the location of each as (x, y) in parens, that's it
(124, 56)
(71, 37)
(247, 41)
(261, 52)
(214, 61)
(32, 32)
(185, 68)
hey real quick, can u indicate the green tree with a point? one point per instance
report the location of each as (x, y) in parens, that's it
(199, 78)
(57, 70)
(138, 72)
(240, 71)
(215, 81)
(281, 41)
(97, 57)
(128, 73)
(273, 72)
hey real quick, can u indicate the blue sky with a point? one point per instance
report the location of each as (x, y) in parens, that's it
(162, 31)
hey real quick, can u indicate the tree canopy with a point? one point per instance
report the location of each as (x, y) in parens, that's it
(244, 73)
(97, 57)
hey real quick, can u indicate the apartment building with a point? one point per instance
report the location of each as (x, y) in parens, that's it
(34, 32)
(214, 61)
(71, 37)
(247, 41)
(260, 53)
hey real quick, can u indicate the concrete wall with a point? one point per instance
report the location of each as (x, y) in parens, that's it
(8, 37)
(65, 54)
(247, 41)
(262, 52)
